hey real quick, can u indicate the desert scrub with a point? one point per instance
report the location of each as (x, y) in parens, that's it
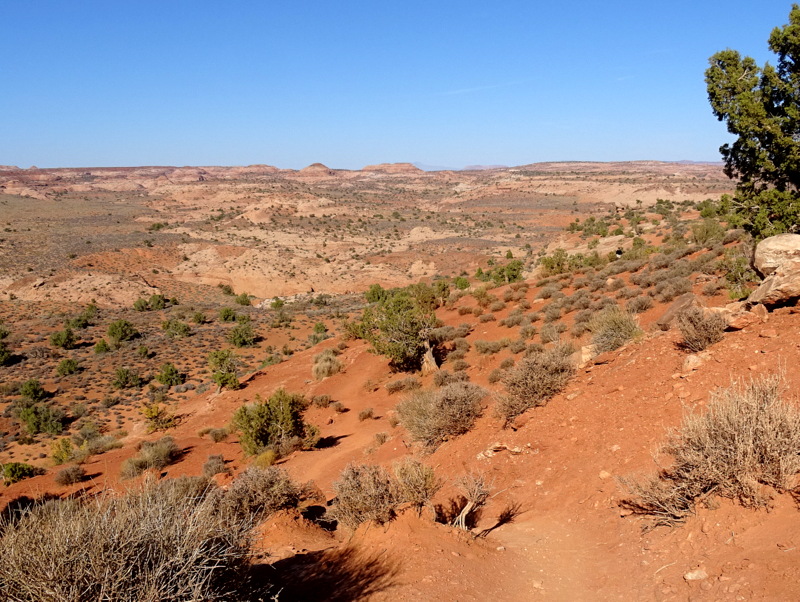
(445, 377)
(125, 378)
(67, 366)
(535, 380)
(700, 328)
(147, 545)
(639, 304)
(432, 416)
(417, 483)
(749, 437)
(175, 329)
(242, 335)
(366, 414)
(326, 364)
(409, 383)
(14, 472)
(260, 492)
(120, 331)
(223, 364)
(70, 475)
(63, 339)
(275, 424)
(612, 328)
(152, 454)
(364, 493)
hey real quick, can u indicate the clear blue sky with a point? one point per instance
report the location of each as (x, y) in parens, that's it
(123, 82)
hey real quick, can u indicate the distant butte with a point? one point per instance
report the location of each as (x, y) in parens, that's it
(407, 168)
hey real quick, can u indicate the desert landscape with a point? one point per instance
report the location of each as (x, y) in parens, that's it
(152, 315)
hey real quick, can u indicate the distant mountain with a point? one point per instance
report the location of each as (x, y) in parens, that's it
(483, 167)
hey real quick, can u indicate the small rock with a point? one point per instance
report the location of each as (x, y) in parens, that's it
(500, 548)
(604, 474)
(696, 575)
(692, 362)
(768, 334)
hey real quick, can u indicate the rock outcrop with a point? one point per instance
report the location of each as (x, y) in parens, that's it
(777, 257)
(775, 251)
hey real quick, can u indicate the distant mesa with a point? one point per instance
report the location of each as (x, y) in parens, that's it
(406, 168)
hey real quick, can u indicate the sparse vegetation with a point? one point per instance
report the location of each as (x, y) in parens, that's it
(534, 380)
(748, 437)
(363, 493)
(432, 416)
(700, 328)
(612, 328)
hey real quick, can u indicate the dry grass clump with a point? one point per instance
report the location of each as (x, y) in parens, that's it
(326, 364)
(639, 304)
(363, 493)
(700, 329)
(445, 377)
(534, 380)
(366, 414)
(432, 416)
(416, 482)
(258, 492)
(409, 383)
(748, 437)
(215, 465)
(612, 328)
(145, 546)
(152, 454)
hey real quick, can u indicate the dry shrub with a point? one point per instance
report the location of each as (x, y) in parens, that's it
(416, 482)
(445, 377)
(748, 437)
(152, 454)
(215, 465)
(476, 492)
(148, 545)
(70, 475)
(612, 328)
(432, 416)
(700, 329)
(366, 414)
(408, 383)
(218, 435)
(639, 304)
(326, 364)
(259, 492)
(534, 380)
(363, 493)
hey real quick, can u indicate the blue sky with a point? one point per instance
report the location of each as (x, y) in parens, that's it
(89, 83)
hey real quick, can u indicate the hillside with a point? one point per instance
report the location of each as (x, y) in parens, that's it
(555, 523)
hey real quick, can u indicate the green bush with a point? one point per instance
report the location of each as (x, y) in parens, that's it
(39, 418)
(14, 472)
(120, 331)
(416, 482)
(243, 299)
(141, 304)
(101, 347)
(32, 390)
(226, 314)
(125, 378)
(169, 375)
(224, 364)
(67, 366)
(176, 329)
(63, 339)
(242, 335)
(275, 424)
